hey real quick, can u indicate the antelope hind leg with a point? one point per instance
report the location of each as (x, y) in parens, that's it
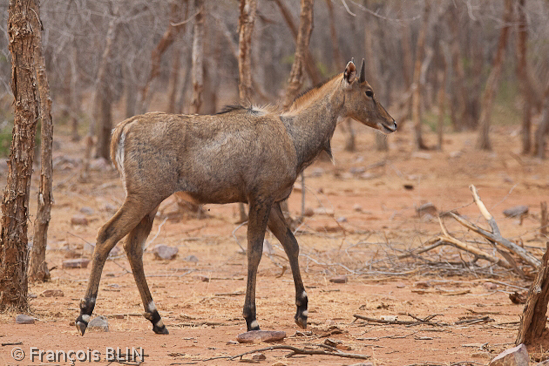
(115, 229)
(257, 224)
(283, 233)
(134, 246)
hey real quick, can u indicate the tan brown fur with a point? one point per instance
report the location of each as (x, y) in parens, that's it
(249, 155)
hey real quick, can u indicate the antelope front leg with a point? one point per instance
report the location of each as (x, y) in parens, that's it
(280, 229)
(257, 223)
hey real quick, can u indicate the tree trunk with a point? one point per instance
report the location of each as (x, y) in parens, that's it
(296, 75)
(543, 128)
(337, 60)
(457, 98)
(131, 91)
(534, 315)
(75, 96)
(248, 9)
(522, 76)
(442, 75)
(101, 98)
(38, 269)
(416, 95)
(245, 29)
(310, 66)
(372, 76)
(174, 27)
(197, 56)
(483, 141)
(302, 45)
(15, 215)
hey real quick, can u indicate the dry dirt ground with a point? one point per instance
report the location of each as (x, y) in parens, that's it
(369, 219)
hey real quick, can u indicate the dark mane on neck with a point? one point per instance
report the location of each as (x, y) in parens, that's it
(234, 107)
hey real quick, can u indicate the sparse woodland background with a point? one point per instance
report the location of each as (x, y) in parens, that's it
(428, 61)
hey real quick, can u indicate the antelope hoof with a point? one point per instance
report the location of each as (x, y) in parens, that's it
(81, 325)
(301, 321)
(254, 325)
(160, 330)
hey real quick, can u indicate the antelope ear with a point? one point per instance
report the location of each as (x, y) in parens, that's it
(362, 77)
(350, 72)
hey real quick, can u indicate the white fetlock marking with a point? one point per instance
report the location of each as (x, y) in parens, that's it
(305, 313)
(86, 318)
(160, 324)
(254, 324)
(151, 307)
(303, 295)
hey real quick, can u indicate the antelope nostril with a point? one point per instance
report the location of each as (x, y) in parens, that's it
(395, 122)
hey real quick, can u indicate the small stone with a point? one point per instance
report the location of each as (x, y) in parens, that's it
(324, 211)
(339, 279)
(368, 175)
(516, 356)
(99, 323)
(79, 220)
(389, 318)
(24, 319)
(490, 285)
(362, 364)
(357, 170)
(267, 247)
(422, 284)
(279, 363)
(455, 154)
(518, 298)
(119, 316)
(308, 212)
(357, 207)
(344, 347)
(86, 210)
(421, 155)
(408, 187)
(427, 209)
(400, 285)
(231, 343)
(341, 219)
(165, 252)
(52, 293)
(258, 356)
(316, 172)
(100, 164)
(191, 258)
(32, 296)
(332, 342)
(115, 252)
(516, 211)
(256, 336)
(202, 278)
(76, 263)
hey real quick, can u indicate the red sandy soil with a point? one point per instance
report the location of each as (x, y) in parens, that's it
(204, 318)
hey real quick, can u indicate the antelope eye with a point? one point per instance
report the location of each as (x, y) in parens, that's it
(369, 93)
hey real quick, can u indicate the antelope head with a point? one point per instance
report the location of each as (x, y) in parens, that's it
(361, 103)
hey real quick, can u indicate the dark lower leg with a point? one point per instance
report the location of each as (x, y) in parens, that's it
(257, 223)
(134, 250)
(282, 232)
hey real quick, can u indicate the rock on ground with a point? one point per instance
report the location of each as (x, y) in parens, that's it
(339, 279)
(24, 319)
(256, 336)
(516, 211)
(516, 356)
(99, 323)
(52, 293)
(79, 220)
(76, 263)
(165, 252)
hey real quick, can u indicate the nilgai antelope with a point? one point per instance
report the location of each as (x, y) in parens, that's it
(250, 155)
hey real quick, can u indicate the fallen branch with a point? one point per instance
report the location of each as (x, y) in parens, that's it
(298, 351)
(495, 235)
